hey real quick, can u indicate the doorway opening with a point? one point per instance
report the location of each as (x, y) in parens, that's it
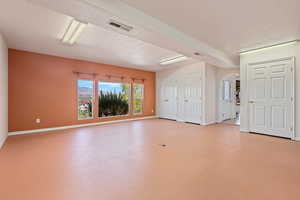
(229, 101)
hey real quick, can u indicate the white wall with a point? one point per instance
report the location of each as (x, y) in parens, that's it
(3, 91)
(210, 99)
(266, 55)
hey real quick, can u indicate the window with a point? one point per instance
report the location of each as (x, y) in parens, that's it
(85, 91)
(113, 99)
(227, 90)
(138, 98)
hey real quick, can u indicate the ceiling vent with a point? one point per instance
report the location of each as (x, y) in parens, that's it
(119, 25)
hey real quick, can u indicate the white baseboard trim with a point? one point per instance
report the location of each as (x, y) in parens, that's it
(208, 123)
(297, 139)
(244, 130)
(2, 141)
(77, 126)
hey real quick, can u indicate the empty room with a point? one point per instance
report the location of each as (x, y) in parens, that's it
(149, 100)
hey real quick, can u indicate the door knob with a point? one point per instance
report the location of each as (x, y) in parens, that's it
(251, 102)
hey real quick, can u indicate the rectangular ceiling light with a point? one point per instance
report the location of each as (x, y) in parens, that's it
(73, 31)
(168, 61)
(269, 47)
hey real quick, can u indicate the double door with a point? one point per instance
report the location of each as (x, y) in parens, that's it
(182, 99)
(271, 98)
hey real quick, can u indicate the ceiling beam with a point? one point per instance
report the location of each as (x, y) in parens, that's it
(146, 28)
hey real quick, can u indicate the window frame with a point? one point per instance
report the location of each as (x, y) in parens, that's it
(129, 98)
(93, 99)
(143, 98)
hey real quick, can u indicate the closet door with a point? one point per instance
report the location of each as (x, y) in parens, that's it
(271, 98)
(168, 100)
(189, 99)
(193, 99)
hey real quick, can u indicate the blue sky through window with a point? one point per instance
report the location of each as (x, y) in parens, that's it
(85, 83)
(110, 87)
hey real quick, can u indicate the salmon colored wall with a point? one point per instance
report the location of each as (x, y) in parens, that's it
(42, 86)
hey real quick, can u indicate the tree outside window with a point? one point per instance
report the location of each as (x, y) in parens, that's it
(138, 98)
(113, 99)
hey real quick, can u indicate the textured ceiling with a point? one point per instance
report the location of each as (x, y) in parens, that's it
(228, 25)
(217, 30)
(33, 28)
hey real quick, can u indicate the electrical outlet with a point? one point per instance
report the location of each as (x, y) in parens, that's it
(38, 120)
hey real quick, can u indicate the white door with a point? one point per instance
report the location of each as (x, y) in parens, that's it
(190, 99)
(168, 100)
(193, 99)
(271, 98)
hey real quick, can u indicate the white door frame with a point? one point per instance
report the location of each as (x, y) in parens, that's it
(293, 60)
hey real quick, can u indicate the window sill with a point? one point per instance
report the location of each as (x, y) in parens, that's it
(108, 117)
(86, 119)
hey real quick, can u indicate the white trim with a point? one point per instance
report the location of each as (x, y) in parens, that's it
(272, 60)
(293, 136)
(2, 141)
(208, 123)
(244, 130)
(292, 42)
(203, 97)
(77, 126)
(297, 139)
(219, 121)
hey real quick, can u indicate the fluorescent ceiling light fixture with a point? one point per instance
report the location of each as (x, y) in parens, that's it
(269, 47)
(176, 59)
(73, 31)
